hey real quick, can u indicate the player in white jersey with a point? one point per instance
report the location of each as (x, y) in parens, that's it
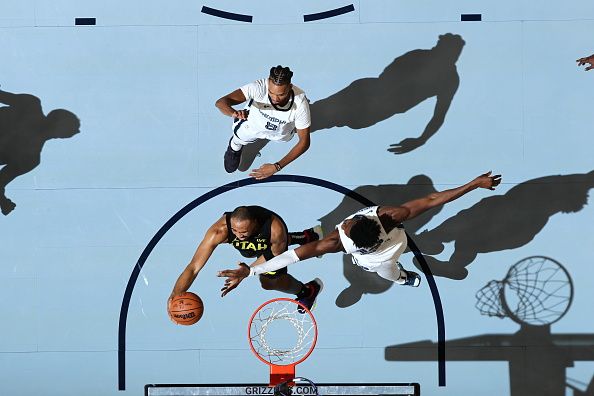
(374, 237)
(275, 110)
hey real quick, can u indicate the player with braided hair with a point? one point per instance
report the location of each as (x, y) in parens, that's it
(275, 110)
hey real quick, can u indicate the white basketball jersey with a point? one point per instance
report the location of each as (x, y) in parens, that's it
(274, 123)
(391, 245)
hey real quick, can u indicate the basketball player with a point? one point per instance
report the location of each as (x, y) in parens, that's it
(257, 233)
(374, 236)
(275, 110)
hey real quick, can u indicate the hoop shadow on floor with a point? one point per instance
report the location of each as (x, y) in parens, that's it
(536, 294)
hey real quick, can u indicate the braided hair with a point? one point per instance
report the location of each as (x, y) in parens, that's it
(280, 75)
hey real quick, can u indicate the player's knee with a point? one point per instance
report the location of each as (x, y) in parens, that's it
(267, 283)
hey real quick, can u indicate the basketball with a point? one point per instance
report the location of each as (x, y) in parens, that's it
(186, 309)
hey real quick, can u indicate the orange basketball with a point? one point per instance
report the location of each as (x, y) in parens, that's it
(186, 309)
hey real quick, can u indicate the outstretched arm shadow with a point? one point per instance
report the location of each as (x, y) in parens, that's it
(503, 222)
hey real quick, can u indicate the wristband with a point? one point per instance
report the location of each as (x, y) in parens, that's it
(278, 166)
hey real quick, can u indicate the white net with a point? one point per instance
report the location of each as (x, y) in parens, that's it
(282, 335)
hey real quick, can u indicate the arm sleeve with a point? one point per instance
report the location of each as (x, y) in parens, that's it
(278, 262)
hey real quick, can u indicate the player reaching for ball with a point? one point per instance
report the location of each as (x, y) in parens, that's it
(257, 233)
(374, 237)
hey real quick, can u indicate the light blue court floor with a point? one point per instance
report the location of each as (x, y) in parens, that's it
(406, 99)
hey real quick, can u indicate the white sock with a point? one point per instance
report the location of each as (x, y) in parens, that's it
(235, 145)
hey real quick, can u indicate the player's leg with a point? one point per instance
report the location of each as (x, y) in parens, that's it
(282, 281)
(241, 137)
(306, 236)
(396, 273)
(7, 174)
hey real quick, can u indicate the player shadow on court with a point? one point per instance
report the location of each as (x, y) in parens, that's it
(361, 281)
(409, 80)
(502, 222)
(24, 129)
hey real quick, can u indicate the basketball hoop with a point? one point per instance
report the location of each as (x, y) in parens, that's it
(282, 337)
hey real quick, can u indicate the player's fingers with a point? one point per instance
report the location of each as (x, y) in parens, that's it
(227, 290)
(590, 67)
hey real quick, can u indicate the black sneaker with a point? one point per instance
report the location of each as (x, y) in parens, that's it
(312, 234)
(412, 278)
(232, 158)
(309, 300)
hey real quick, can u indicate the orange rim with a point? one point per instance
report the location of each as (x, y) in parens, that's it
(286, 366)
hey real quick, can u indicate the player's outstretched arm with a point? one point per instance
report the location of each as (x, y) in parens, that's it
(300, 147)
(589, 60)
(215, 235)
(330, 244)
(415, 207)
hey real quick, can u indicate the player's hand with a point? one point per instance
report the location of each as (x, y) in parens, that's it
(488, 181)
(589, 60)
(169, 300)
(240, 114)
(234, 277)
(406, 145)
(263, 172)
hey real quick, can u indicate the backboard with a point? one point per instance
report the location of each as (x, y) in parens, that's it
(406, 389)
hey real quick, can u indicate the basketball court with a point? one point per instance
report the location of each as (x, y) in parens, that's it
(112, 171)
